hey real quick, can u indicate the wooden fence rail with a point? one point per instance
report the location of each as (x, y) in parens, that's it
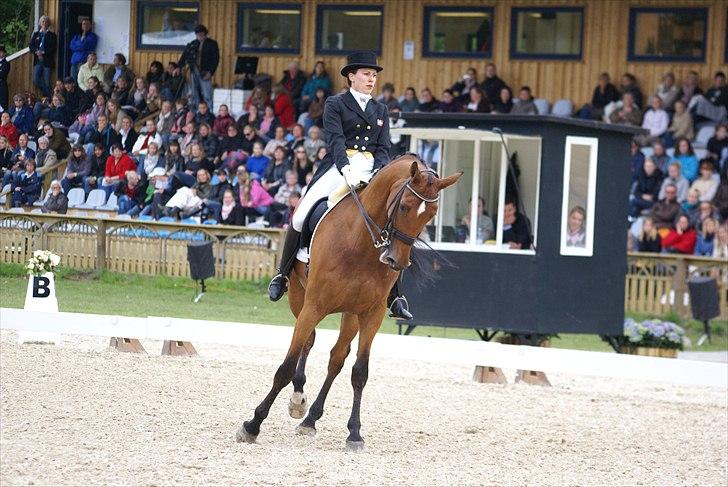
(655, 284)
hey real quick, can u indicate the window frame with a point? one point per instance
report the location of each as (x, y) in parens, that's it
(514, 54)
(634, 11)
(268, 6)
(588, 250)
(142, 4)
(337, 6)
(725, 45)
(427, 53)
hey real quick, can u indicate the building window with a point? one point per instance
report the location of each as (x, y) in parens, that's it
(458, 32)
(341, 29)
(577, 205)
(547, 33)
(667, 34)
(166, 25)
(269, 27)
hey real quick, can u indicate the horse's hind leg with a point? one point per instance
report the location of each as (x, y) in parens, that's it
(298, 404)
(347, 332)
(306, 322)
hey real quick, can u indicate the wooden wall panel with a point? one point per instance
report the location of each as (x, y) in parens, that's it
(605, 46)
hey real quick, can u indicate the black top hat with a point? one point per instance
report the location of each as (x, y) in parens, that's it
(360, 59)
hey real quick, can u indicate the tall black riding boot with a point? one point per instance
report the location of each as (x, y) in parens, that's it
(397, 304)
(279, 284)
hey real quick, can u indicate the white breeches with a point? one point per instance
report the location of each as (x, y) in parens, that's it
(329, 182)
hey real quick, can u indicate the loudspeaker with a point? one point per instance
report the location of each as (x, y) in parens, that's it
(246, 65)
(704, 299)
(202, 262)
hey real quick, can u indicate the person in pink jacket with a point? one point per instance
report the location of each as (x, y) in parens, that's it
(251, 195)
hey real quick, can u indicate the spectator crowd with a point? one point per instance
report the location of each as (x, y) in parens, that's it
(155, 141)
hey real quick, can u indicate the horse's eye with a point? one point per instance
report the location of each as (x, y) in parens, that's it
(403, 208)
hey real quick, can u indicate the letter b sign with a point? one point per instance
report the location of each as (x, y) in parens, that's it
(40, 287)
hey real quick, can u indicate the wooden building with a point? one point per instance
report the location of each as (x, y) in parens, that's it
(604, 31)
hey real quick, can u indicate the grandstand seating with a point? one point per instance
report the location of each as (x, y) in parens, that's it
(703, 136)
(96, 198)
(542, 105)
(563, 108)
(76, 197)
(110, 205)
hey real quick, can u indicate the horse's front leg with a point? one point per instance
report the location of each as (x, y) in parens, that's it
(369, 323)
(298, 405)
(307, 320)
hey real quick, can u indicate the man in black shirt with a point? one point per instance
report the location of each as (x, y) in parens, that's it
(202, 56)
(492, 84)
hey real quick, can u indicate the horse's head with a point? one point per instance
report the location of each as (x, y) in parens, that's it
(412, 202)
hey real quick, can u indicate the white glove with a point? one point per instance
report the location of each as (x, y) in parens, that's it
(353, 178)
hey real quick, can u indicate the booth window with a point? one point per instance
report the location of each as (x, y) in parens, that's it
(547, 33)
(341, 29)
(667, 34)
(269, 28)
(458, 32)
(166, 25)
(577, 206)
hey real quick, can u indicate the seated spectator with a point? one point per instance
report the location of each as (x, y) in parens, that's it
(267, 124)
(516, 232)
(173, 160)
(90, 68)
(78, 167)
(714, 104)
(720, 244)
(153, 101)
(638, 160)
(57, 201)
(59, 115)
(681, 126)
(629, 113)
(525, 105)
(27, 186)
(198, 160)
(102, 133)
(283, 107)
(275, 174)
(387, 97)
(121, 93)
(720, 201)
(301, 164)
(675, 177)
(115, 114)
(293, 202)
(118, 70)
(485, 230)
(666, 210)
(690, 87)
(604, 94)
(230, 212)
(628, 84)
(278, 208)
(204, 115)
(718, 146)
(647, 189)
(172, 82)
(250, 137)
(165, 121)
(691, 204)
(681, 239)
(649, 240)
(685, 155)
(704, 211)
(319, 80)
(130, 193)
(188, 201)
(256, 103)
(278, 141)
(296, 138)
(706, 238)
(478, 102)
(189, 137)
(46, 159)
(230, 151)
(76, 101)
(117, 165)
(155, 74)
(18, 157)
(461, 88)
(428, 103)
(656, 120)
(128, 135)
(315, 113)
(182, 116)
(448, 103)
(320, 156)
(659, 155)
(504, 102)
(97, 109)
(313, 142)
(94, 88)
(222, 121)
(8, 130)
(152, 160)
(252, 197)
(707, 183)
(97, 160)
(293, 81)
(57, 141)
(492, 84)
(257, 162)
(21, 115)
(209, 142)
(223, 184)
(6, 153)
(409, 101)
(668, 92)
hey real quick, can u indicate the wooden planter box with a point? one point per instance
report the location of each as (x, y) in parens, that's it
(651, 351)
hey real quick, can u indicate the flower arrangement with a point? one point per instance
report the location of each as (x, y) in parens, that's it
(42, 261)
(652, 333)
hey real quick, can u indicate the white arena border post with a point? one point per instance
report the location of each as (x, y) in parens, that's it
(406, 348)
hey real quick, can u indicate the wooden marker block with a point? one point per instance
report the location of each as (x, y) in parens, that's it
(489, 375)
(176, 347)
(127, 345)
(532, 377)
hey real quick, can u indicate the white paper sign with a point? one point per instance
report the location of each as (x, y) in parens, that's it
(409, 50)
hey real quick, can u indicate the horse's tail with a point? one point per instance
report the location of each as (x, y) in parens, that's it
(424, 264)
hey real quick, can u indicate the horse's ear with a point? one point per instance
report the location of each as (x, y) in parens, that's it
(414, 169)
(448, 181)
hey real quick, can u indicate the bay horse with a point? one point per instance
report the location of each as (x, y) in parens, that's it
(351, 271)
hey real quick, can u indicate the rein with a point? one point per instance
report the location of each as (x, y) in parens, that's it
(390, 231)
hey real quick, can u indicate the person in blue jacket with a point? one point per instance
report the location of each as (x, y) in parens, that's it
(21, 115)
(26, 189)
(82, 45)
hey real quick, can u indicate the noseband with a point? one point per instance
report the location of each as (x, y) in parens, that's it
(389, 231)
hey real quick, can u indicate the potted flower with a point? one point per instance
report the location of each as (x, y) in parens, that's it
(41, 293)
(655, 338)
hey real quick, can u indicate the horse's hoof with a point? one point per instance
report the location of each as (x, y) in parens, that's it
(298, 405)
(243, 436)
(305, 430)
(354, 446)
